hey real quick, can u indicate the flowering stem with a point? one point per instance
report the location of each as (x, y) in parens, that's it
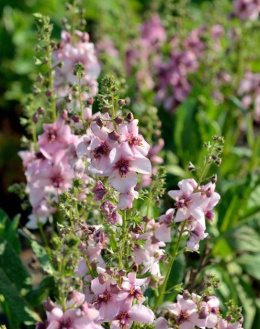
(44, 240)
(123, 240)
(81, 106)
(173, 257)
(51, 88)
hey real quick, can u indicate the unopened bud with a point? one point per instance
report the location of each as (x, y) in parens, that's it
(48, 305)
(127, 100)
(35, 118)
(135, 267)
(90, 101)
(64, 114)
(121, 102)
(99, 122)
(203, 314)
(102, 278)
(122, 273)
(40, 110)
(76, 118)
(214, 179)
(185, 294)
(48, 93)
(146, 219)
(119, 120)
(229, 318)
(114, 136)
(109, 271)
(114, 288)
(130, 116)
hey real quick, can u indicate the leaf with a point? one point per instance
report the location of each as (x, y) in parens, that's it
(243, 239)
(42, 257)
(250, 264)
(11, 265)
(8, 230)
(17, 304)
(37, 296)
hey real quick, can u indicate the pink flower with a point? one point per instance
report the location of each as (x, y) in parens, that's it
(129, 133)
(123, 167)
(223, 324)
(126, 199)
(188, 204)
(137, 313)
(247, 9)
(69, 54)
(183, 310)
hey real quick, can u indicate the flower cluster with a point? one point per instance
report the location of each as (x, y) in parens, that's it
(247, 9)
(47, 170)
(193, 205)
(192, 311)
(170, 77)
(69, 53)
(116, 151)
(249, 90)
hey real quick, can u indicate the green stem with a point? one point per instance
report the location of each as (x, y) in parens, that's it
(122, 248)
(51, 88)
(81, 106)
(44, 240)
(173, 257)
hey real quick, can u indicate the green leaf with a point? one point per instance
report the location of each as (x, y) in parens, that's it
(243, 239)
(250, 264)
(11, 265)
(17, 303)
(42, 257)
(8, 230)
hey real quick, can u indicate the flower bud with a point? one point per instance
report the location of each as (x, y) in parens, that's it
(76, 118)
(35, 118)
(122, 273)
(40, 110)
(114, 136)
(48, 305)
(146, 219)
(114, 288)
(48, 93)
(102, 278)
(99, 191)
(121, 102)
(99, 122)
(119, 120)
(130, 116)
(64, 114)
(90, 101)
(40, 325)
(214, 179)
(185, 294)
(135, 267)
(203, 314)
(109, 271)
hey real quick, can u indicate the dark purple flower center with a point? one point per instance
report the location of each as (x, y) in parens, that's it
(57, 181)
(183, 202)
(51, 135)
(133, 140)
(122, 318)
(101, 150)
(66, 324)
(104, 298)
(182, 317)
(136, 293)
(123, 167)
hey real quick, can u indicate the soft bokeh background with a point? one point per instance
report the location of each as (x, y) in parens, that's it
(235, 234)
